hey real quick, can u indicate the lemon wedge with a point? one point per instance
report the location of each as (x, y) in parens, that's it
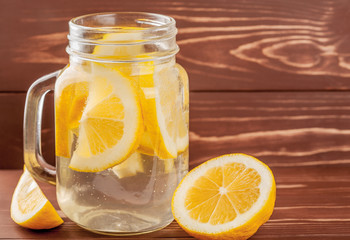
(29, 206)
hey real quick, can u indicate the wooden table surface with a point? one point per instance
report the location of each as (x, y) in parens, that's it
(270, 78)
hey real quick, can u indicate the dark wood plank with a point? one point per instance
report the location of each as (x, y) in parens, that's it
(11, 128)
(285, 129)
(225, 45)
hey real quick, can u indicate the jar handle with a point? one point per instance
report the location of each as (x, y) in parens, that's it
(33, 158)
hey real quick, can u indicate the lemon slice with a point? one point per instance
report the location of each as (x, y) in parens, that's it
(151, 139)
(146, 145)
(72, 89)
(111, 124)
(160, 100)
(130, 167)
(182, 139)
(166, 124)
(228, 197)
(122, 50)
(182, 117)
(29, 206)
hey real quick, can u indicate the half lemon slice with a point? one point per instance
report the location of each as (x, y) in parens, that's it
(228, 197)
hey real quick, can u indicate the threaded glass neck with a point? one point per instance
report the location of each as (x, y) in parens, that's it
(122, 37)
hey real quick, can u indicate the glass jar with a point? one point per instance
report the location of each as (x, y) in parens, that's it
(121, 123)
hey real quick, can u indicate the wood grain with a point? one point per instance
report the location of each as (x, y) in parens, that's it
(11, 127)
(267, 78)
(225, 45)
(306, 208)
(286, 129)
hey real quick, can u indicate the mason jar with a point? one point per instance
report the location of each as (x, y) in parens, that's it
(121, 123)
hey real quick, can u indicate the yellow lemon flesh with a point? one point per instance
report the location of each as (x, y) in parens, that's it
(70, 101)
(228, 197)
(111, 123)
(166, 130)
(166, 126)
(29, 206)
(108, 111)
(130, 167)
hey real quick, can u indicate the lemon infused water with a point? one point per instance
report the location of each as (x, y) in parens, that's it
(121, 111)
(121, 123)
(121, 143)
(125, 199)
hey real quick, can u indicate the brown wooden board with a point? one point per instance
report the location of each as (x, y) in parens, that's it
(282, 128)
(267, 78)
(312, 203)
(225, 45)
(11, 128)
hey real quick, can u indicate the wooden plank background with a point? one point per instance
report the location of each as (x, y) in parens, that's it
(226, 46)
(269, 78)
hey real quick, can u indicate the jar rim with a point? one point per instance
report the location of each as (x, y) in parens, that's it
(152, 34)
(168, 22)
